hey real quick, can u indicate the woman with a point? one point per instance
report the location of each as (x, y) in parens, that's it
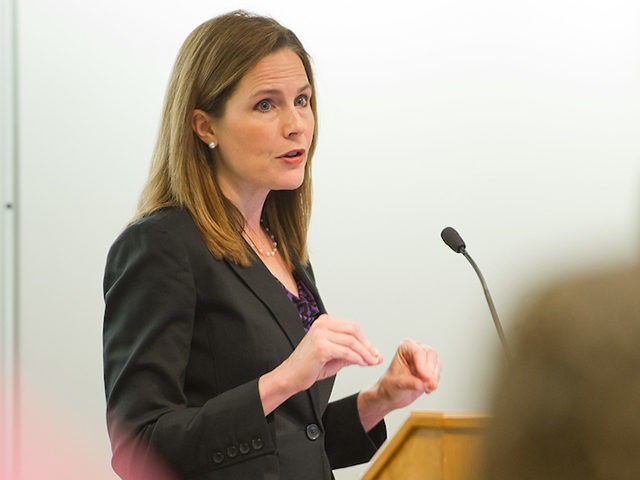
(219, 355)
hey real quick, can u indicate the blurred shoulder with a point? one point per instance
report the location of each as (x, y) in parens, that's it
(605, 284)
(590, 303)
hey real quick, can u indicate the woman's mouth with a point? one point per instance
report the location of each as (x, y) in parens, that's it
(293, 156)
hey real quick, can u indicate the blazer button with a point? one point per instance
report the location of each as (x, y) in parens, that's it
(232, 452)
(257, 443)
(244, 448)
(218, 457)
(313, 431)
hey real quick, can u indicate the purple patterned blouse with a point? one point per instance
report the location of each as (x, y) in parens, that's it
(306, 304)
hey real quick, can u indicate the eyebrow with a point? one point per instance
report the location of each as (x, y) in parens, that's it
(274, 91)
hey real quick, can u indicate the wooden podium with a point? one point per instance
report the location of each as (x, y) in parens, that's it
(433, 446)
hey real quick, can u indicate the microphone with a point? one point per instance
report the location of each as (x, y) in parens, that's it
(455, 242)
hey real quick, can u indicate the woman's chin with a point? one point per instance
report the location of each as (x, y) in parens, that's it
(293, 182)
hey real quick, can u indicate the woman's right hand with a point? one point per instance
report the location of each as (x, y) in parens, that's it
(330, 345)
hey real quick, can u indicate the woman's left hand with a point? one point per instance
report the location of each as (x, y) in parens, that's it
(414, 371)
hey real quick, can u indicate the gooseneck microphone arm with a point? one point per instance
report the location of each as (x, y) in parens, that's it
(455, 242)
(492, 308)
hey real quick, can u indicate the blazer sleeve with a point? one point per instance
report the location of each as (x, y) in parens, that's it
(150, 302)
(346, 441)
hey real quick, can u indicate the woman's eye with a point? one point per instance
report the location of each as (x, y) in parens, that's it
(302, 101)
(263, 105)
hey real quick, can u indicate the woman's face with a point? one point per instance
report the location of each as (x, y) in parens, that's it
(265, 132)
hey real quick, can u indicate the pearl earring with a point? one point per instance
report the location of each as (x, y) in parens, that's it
(212, 145)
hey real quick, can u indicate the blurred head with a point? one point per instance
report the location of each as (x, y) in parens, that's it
(567, 405)
(212, 62)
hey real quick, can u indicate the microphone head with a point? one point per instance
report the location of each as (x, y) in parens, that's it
(453, 239)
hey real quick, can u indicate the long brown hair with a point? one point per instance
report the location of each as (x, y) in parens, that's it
(209, 66)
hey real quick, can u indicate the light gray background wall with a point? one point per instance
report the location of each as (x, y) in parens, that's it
(516, 122)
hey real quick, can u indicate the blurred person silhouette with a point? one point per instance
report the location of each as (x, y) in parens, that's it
(566, 406)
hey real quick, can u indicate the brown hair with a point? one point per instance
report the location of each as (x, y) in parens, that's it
(566, 407)
(209, 66)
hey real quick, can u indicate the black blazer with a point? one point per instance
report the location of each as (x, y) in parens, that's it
(186, 338)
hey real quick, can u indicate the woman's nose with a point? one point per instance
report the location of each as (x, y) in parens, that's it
(294, 122)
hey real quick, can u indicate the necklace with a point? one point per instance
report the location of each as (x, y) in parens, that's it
(254, 245)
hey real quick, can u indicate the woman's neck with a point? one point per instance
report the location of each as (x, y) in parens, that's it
(248, 203)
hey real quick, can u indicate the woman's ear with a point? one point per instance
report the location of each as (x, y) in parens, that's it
(203, 126)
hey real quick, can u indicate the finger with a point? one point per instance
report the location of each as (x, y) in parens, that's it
(352, 329)
(432, 359)
(433, 382)
(419, 386)
(437, 372)
(353, 343)
(332, 344)
(429, 366)
(428, 387)
(346, 355)
(418, 359)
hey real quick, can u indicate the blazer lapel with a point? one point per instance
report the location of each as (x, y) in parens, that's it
(264, 285)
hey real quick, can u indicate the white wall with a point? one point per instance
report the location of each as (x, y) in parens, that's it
(516, 122)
